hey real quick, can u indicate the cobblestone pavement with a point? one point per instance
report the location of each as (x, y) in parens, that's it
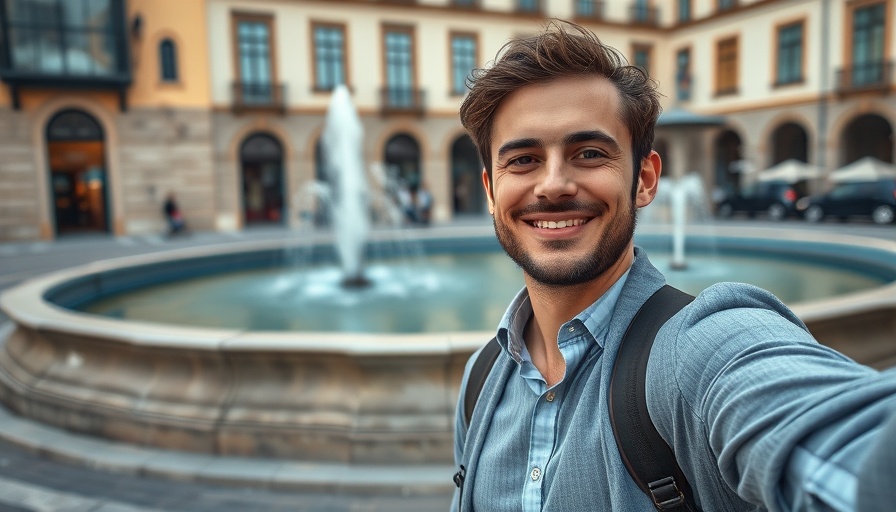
(30, 482)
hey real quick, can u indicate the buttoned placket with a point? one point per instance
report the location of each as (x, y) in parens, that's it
(545, 415)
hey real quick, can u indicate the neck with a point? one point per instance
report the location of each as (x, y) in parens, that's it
(552, 306)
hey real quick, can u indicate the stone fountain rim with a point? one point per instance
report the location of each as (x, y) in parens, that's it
(25, 305)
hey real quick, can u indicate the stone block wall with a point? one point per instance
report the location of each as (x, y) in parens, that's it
(19, 216)
(162, 150)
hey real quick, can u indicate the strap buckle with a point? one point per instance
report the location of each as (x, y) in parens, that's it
(460, 476)
(665, 494)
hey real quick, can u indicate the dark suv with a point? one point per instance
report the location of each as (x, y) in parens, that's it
(875, 199)
(775, 198)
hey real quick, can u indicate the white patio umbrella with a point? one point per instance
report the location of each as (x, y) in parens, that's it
(790, 171)
(864, 169)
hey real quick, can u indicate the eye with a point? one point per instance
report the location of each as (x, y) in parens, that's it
(522, 160)
(590, 154)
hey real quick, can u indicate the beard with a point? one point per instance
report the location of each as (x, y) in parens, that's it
(620, 230)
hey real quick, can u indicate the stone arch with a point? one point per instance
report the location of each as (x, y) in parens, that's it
(728, 151)
(75, 143)
(468, 195)
(262, 178)
(106, 120)
(788, 140)
(403, 155)
(868, 134)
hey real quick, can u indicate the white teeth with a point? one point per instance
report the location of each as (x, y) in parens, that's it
(543, 224)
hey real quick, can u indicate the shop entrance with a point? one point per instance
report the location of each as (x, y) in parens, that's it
(78, 181)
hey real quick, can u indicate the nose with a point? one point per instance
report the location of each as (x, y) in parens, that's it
(555, 180)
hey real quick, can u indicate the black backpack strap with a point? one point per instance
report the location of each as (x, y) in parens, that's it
(648, 458)
(478, 373)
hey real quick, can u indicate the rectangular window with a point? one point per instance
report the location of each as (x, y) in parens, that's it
(724, 5)
(790, 54)
(254, 59)
(527, 5)
(684, 10)
(868, 25)
(642, 12)
(71, 37)
(641, 56)
(683, 75)
(726, 66)
(463, 61)
(589, 8)
(399, 51)
(329, 56)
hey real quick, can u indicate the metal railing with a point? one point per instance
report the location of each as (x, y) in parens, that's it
(259, 96)
(402, 100)
(866, 76)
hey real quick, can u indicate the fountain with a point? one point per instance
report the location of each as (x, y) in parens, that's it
(379, 389)
(348, 202)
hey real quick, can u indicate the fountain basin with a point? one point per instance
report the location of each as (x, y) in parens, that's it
(348, 397)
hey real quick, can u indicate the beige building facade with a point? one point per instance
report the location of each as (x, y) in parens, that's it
(223, 101)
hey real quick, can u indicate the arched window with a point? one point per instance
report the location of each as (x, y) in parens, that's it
(261, 159)
(466, 172)
(168, 60)
(402, 157)
(78, 179)
(867, 135)
(789, 141)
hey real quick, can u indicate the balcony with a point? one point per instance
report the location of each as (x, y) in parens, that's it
(865, 77)
(66, 45)
(640, 14)
(250, 96)
(402, 100)
(590, 9)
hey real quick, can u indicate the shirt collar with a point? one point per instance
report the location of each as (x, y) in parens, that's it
(595, 318)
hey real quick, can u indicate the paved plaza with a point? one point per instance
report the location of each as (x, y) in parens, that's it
(46, 469)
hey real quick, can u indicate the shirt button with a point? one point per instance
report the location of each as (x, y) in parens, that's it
(572, 328)
(550, 396)
(535, 474)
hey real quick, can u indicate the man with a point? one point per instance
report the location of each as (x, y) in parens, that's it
(759, 415)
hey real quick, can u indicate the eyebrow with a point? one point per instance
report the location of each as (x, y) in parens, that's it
(595, 135)
(572, 138)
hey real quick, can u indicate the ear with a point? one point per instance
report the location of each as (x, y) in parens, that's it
(489, 195)
(648, 179)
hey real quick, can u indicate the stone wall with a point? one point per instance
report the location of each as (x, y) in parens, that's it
(162, 150)
(19, 215)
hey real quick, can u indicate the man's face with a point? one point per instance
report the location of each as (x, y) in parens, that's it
(562, 180)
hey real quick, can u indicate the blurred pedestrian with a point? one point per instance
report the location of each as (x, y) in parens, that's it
(173, 215)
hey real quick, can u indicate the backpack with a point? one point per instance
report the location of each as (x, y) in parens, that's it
(646, 456)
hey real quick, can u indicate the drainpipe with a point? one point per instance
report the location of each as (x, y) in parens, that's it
(822, 150)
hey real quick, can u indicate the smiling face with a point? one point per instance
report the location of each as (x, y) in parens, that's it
(561, 182)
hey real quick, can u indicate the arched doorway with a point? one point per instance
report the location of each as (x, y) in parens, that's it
(728, 163)
(867, 135)
(662, 148)
(789, 141)
(402, 158)
(78, 179)
(261, 160)
(466, 170)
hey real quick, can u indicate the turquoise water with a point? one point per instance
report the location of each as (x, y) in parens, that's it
(447, 292)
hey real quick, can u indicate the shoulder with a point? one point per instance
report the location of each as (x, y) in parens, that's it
(738, 337)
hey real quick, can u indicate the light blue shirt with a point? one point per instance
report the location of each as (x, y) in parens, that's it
(760, 416)
(531, 407)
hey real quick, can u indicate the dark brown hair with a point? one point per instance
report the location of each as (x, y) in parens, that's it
(563, 49)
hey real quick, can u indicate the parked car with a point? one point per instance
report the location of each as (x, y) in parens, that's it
(777, 199)
(875, 199)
